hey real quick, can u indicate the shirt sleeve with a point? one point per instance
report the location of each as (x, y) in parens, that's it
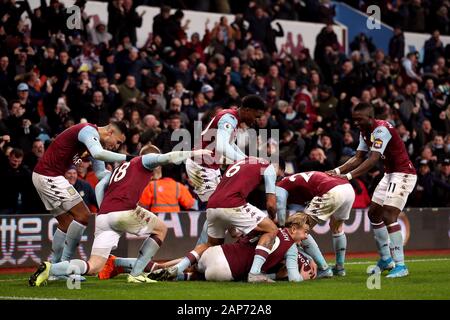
(91, 139)
(225, 127)
(381, 136)
(292, 264)
(101, 187)
(282, 196)
(362, 144)
(270, 178)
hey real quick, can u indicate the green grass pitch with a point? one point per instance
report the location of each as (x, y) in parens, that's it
(429, 279)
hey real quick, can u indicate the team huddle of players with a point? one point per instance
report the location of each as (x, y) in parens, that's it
(269, 245)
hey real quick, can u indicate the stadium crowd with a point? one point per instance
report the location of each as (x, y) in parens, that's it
(52, 78)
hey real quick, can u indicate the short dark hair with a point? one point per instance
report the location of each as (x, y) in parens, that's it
(363, 106)
(16, 152)
(253, 102)
(121, 126)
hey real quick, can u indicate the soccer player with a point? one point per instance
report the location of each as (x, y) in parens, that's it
(228, 208)
(330, 198)
(390, 196)
(204, 173)
(233, 261)
(119, 213)
(57, 194)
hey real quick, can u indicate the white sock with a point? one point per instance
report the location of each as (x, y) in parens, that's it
(59, 239)
(73, 237)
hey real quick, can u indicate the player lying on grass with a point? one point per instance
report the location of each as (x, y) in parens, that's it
(57, 194)
(330, 198)
(233, 261)
(228, 208)
(119, 214)
(391, 193)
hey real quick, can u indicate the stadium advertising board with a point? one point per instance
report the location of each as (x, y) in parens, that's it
(26, 239)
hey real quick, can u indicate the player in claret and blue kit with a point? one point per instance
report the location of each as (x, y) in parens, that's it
(57, 194)
(390, 196)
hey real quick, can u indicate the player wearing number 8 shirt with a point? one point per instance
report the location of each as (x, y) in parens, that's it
(120, 212)
(390, 196)
(328, 198)
(228, 208)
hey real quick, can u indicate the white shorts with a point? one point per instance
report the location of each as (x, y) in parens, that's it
(337, 202)
(204, 180)
(57, 194)
(110, 226)
(244, 218)
(394, 189)
(214, 265)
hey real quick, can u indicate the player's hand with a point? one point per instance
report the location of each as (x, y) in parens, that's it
(313, 271)
(201, 152)
(331, 173)
(6, 138)
(306, 274)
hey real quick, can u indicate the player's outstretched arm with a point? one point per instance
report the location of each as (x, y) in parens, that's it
(153, 160)
(99, 168)
(270, 178)
(91, 139)
(292, 264)
(101, 187)
(224, 147)
(351, 164)
(362, 169)
(282, 196)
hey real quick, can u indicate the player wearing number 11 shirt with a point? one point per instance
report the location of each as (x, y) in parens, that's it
(120, 212)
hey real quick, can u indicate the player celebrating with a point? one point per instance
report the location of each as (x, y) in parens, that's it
(228, 208)
(330, 198)
(390, 196)
(118, 214)
(57, 194)
(233, 261)
(204, 172)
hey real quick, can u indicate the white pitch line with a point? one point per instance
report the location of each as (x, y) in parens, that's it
(413, 260)
(12, 280)
(25, 298)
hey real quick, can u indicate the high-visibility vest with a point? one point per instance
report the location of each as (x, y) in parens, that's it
(165, 195)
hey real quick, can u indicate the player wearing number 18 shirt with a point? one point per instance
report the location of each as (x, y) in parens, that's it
(382, 140)
(120, 212)
(328, 198)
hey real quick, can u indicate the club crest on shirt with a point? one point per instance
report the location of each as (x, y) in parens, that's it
(71, 191)
(378, 143)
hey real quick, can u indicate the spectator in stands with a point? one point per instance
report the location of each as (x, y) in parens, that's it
(37, 151)
(15, 184)
(397, 44)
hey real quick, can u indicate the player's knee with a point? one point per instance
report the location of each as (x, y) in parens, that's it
(375, 215)
(390, 215)
(160, 230)
(336, 226)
